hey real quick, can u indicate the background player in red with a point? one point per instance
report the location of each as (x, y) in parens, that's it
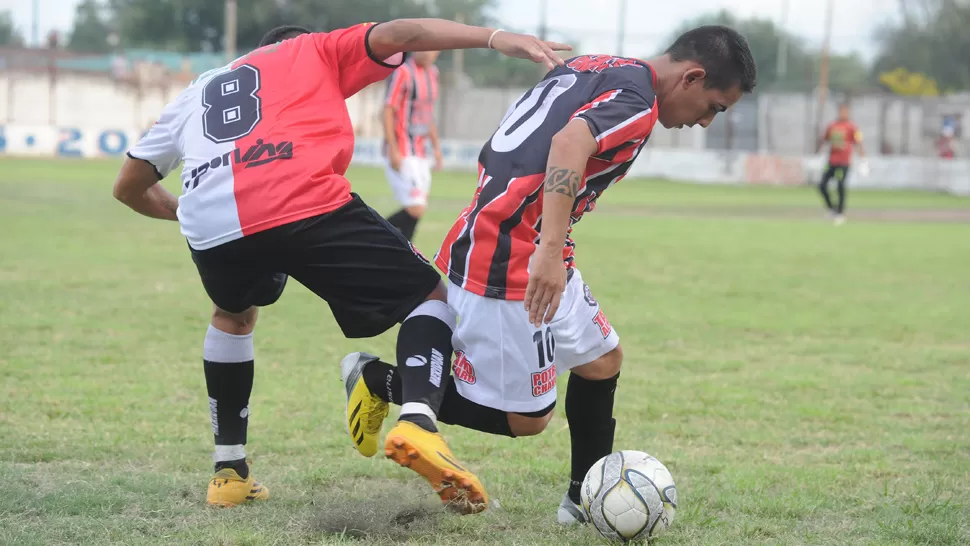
(265, 142)
(842, 135)
(526, 314)
(411, 137)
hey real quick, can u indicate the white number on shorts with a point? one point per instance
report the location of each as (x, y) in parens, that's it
(547, 350)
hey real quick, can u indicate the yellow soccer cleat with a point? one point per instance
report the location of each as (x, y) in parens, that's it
(365, 411)
(227, 489)
(427, 454)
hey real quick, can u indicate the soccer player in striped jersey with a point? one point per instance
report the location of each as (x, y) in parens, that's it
(411, 144)
(526, 315)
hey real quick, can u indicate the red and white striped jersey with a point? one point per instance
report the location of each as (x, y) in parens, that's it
(412, 91)
(266, 139)
(487, 250)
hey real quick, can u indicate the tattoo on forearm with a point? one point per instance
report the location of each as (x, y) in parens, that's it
(564, 181)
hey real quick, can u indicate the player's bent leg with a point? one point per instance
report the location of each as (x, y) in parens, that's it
(589, 412)
(228, 358)
(424, 352)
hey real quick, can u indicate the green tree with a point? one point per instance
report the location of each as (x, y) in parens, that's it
(9, 35)
(932, 40)
(92, 28)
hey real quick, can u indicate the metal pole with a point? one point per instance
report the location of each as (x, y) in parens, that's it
(543, 19)
(621, 29)
(230, 36)
(823, 75)
(782, 67)
(35, 24)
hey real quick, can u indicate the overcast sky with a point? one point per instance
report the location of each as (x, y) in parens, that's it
(648, 21)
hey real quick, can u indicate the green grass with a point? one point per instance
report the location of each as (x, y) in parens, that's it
(805, 384)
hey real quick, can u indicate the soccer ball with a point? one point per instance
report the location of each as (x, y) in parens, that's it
(629, 495)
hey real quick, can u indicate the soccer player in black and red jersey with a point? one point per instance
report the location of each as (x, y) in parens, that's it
(525, 313)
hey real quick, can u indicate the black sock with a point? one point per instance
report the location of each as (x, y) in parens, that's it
(841, 190)
(228, 363)
(229, 385)
(382, 379)
(589, 412)
(462, 412)
(404, 222)
(424, 361)
(823, 187)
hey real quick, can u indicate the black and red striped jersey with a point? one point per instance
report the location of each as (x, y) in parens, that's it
(487, 250)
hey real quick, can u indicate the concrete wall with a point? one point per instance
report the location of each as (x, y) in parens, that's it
(768, 143)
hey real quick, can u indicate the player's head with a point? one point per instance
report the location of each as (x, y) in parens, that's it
(425, 58)
(284, 32)
(712, 67)
(844, 111)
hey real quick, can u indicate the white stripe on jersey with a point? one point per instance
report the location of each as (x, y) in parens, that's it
(628, 121)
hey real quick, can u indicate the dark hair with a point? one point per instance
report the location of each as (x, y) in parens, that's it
(284, 32)
(724, 54)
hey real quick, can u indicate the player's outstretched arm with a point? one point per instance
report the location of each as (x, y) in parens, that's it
(403, 35)
(565, 172)
(137, 186)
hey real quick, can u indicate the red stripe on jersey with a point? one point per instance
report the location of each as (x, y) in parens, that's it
(637, 127)
(443, 258)
(605, 97)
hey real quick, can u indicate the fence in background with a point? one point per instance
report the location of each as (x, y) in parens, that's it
(52, 103)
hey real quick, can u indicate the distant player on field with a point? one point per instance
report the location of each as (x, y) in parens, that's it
(525, 313)
(265, 142)
(411, 137)
(842, 135)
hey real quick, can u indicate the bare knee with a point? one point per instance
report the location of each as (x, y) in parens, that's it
(415, 211)
(237, 324)
(603, 367)
(524, 425)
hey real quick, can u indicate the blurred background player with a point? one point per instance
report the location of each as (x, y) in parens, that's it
(265, 201)
(509, 256)
(411, 136)
(842, 136)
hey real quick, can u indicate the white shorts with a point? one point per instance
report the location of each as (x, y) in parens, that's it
(503, 362)
(412, 183)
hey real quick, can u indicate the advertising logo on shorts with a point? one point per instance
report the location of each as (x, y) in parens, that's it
(588, 295)
(463, 368)
(544, 381)
(604, 325)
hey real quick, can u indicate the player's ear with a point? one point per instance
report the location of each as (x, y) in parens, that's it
(694, 76)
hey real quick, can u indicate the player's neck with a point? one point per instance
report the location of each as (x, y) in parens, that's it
(665, 71)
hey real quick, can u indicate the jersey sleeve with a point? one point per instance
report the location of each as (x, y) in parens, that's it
(348, 52)
(160, 145)
(620, 115)
(397, 88)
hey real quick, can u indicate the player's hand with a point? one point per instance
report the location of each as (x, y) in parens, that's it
(439, 160)
(523, 46)
(396, 160)
(547, 281)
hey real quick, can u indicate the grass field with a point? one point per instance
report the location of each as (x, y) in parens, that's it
(805, 384)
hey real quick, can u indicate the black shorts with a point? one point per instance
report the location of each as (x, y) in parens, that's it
(352, 257)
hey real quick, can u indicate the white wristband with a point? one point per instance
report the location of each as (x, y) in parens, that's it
(492, 37)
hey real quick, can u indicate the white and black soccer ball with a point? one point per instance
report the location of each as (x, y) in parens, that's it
(629, 495)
